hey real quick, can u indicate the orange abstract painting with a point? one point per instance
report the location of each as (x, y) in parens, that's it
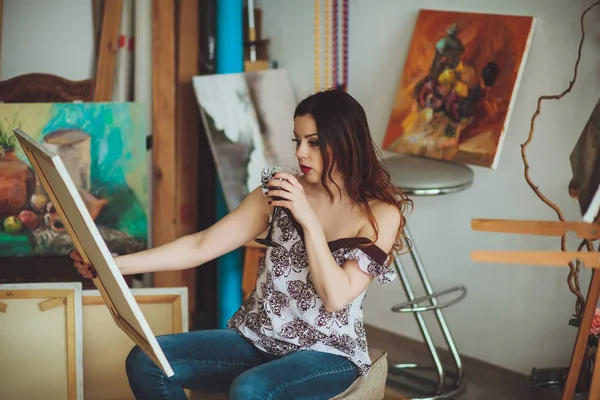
(458, 86)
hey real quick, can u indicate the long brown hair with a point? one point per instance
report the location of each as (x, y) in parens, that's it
(345, 139)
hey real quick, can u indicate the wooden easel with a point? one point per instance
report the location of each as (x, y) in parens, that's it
(554, 258)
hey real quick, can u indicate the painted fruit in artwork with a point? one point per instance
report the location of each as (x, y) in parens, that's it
(28, 219)
(39, 201)
(17, 183)
(12, 225)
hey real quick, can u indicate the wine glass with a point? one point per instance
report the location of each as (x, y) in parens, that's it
(266, 176)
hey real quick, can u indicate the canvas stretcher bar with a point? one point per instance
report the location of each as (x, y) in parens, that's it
(87, 240)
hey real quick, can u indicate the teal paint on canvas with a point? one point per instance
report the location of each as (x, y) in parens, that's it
(113, 155)
(118, 139)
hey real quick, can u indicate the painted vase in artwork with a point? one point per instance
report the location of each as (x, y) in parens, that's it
(74, 148)
(17, 183)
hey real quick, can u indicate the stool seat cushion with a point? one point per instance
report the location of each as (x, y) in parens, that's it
(371, 387)
(417, 175)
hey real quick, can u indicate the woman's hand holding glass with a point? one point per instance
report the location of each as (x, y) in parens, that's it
(286, 192)
(270, 183)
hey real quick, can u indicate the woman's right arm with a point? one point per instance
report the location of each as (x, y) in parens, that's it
(237, 228)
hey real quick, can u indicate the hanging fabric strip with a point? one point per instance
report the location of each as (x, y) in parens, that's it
(345, 45)
(339, 56)
(327, 54)
(327, 68)
(317, 45)
(336, 53)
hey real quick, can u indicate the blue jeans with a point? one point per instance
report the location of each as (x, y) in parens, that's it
(221, 360)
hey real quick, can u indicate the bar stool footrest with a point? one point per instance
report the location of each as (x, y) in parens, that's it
(411, 378)
(412, 305)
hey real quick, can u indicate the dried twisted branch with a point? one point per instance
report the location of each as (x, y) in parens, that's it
(573, 278)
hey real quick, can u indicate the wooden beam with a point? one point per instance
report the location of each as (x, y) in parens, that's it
(187, 132)
(97, 11)
(107, 52)
(552, 258)
(164, 152)
(1, 16)
(540, 228)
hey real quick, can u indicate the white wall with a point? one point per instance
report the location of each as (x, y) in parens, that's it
(53, 37)
(514, 316)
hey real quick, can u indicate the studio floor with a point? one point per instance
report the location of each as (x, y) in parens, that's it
(484, 382)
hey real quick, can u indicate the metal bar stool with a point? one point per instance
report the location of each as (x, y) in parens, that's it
(420, 176)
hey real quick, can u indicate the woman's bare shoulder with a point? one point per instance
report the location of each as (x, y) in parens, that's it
(388, 218)
(384, 209)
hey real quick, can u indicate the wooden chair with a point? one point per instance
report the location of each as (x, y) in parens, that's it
(45, 88)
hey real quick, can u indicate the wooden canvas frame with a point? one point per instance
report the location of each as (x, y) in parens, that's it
(106, 348)
(177, 297)
(87, 240)
(51, 296)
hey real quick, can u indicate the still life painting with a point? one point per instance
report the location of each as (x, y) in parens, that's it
(458, 86)
(103, 147)
(249, 120)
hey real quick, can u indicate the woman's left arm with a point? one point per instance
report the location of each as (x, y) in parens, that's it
(335, 286)
(339, 286)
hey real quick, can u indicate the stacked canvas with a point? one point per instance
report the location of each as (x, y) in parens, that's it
(64, 340)
(41, 341)
(117, 299)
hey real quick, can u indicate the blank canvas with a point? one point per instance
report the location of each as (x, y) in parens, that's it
(41, 341)
(106, 347)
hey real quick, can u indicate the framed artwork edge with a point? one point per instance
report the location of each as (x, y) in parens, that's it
(513, 99)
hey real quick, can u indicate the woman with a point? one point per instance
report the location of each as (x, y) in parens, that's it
(300, 333)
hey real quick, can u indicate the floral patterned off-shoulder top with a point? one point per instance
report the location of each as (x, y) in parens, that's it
(285, 314)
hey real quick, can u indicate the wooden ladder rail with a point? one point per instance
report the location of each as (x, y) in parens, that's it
(583, 230)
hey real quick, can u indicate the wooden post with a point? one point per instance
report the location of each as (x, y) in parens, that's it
(187, 131)
(1, 16)
(163, 136)
(253, 256)
(582, 339)
(107, 51)
(97, 12)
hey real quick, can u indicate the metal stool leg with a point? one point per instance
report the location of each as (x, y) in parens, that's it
(442, 389)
